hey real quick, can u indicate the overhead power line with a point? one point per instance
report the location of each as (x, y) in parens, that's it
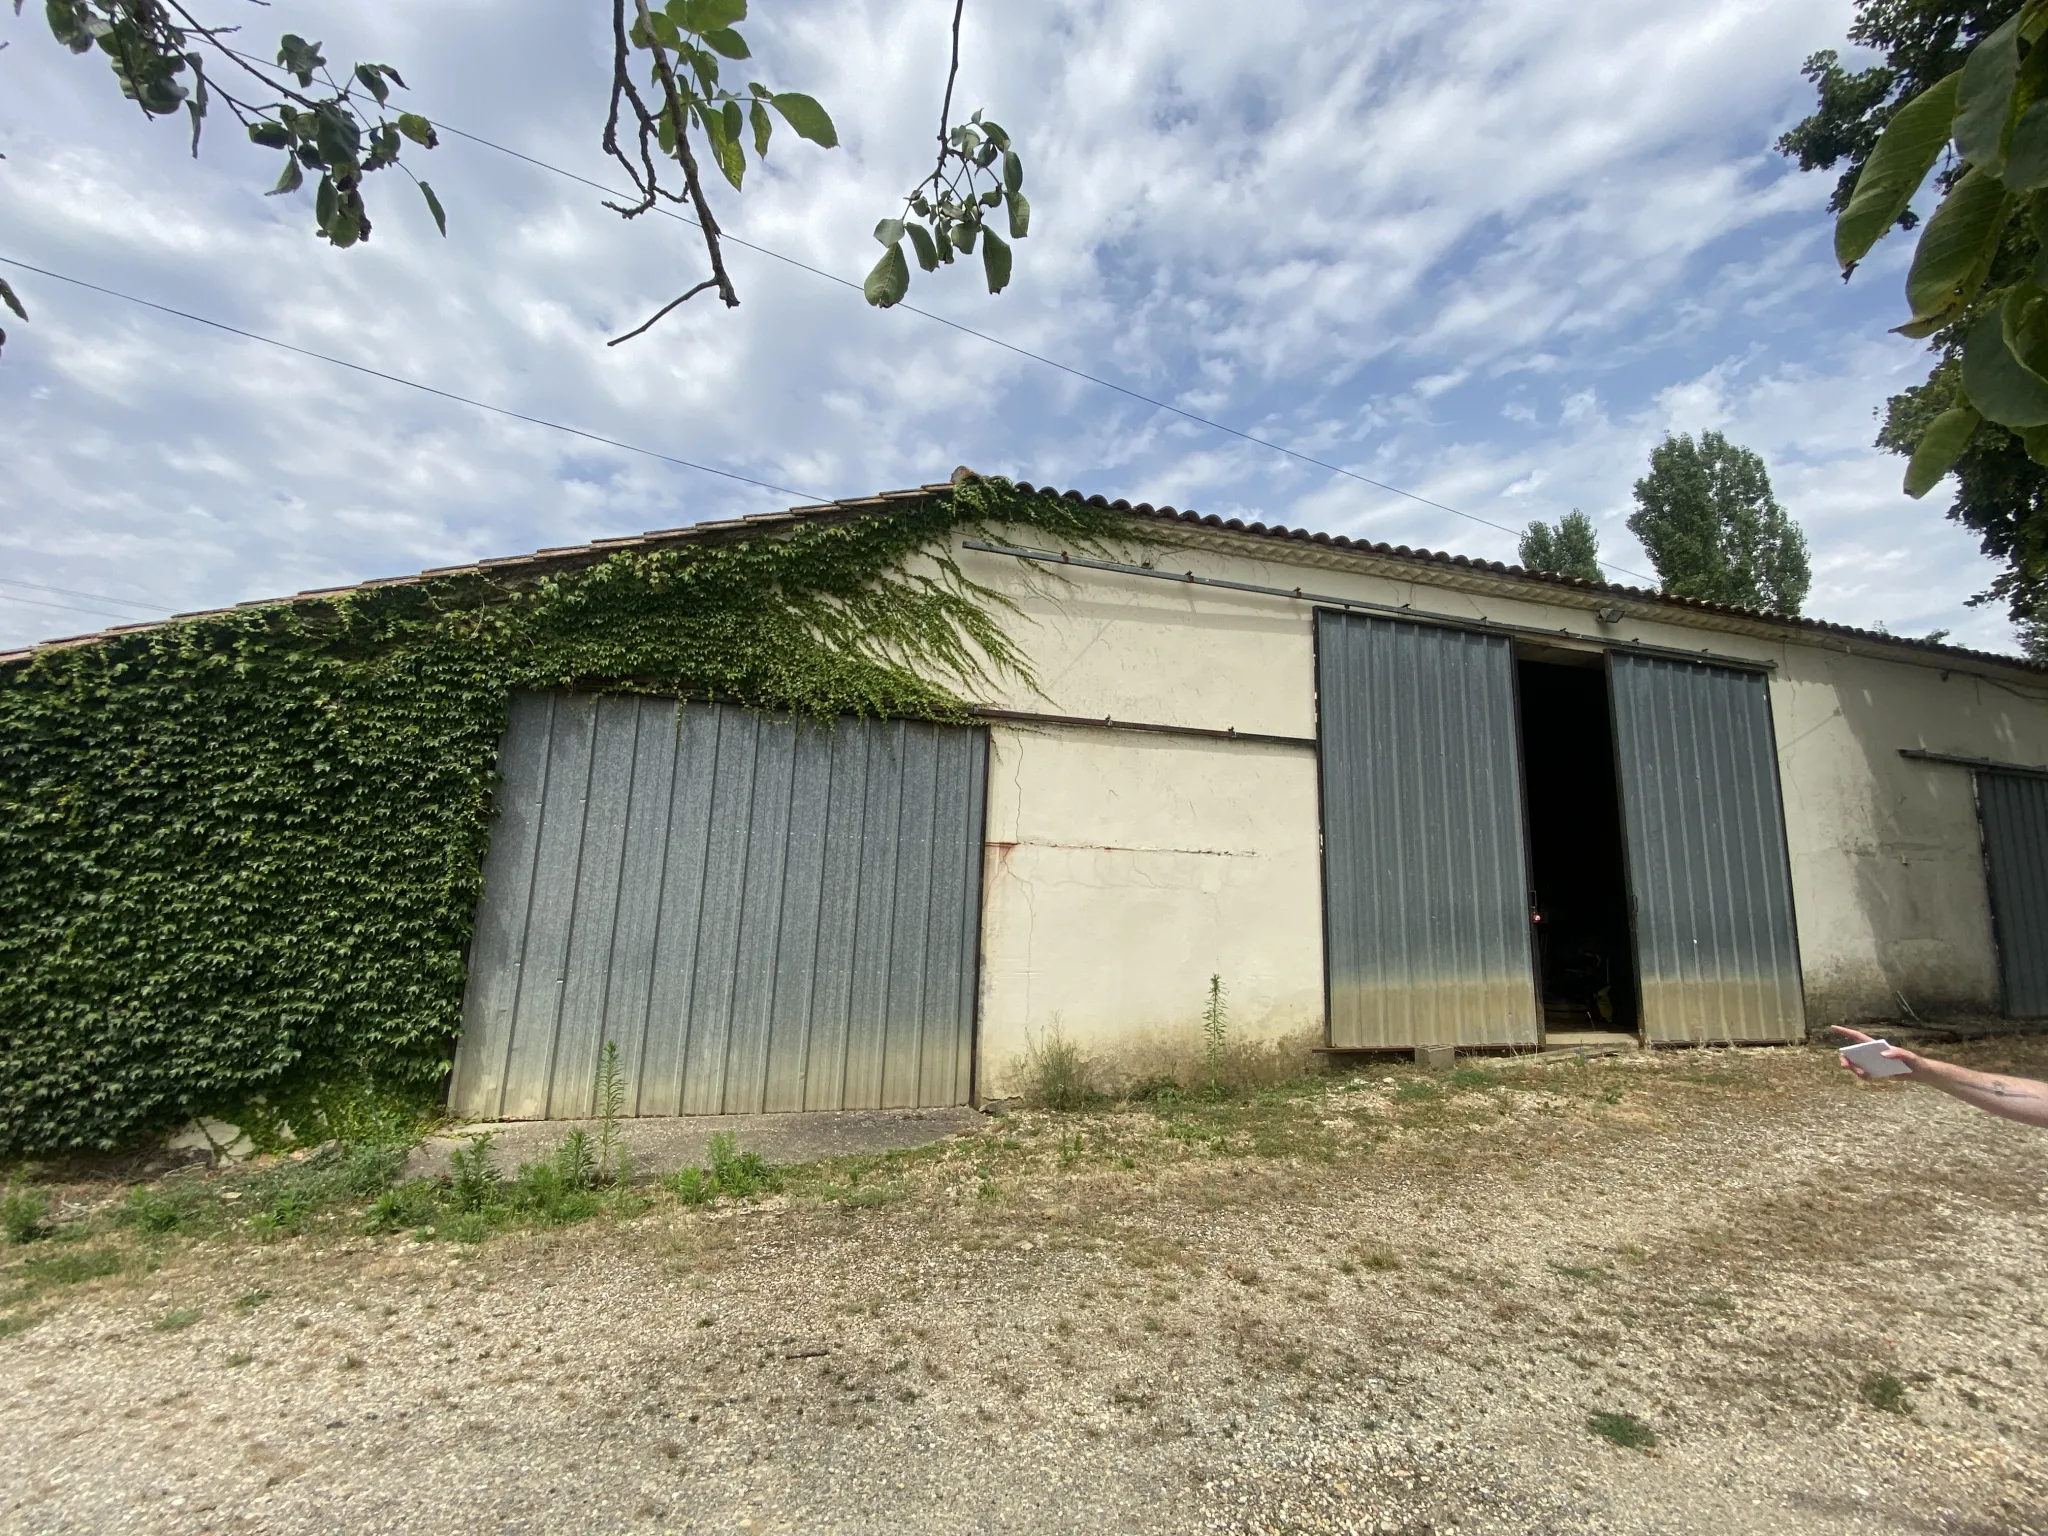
(393, 378)
(729, 238)
(98, 613)
(91, 597)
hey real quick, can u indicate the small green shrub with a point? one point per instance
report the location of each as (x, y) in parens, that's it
(1622, 1429)
(692, 1186)
(175, 1319)
(741, 1175)
(546, 1193)
(1884, 1392)
(610, 1095)
(22, 1212)
(249, 1301)
(733, 1173)
(473, 1175)
(575, 1162)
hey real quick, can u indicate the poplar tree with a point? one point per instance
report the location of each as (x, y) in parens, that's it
(1714, 530)
(1571, 548)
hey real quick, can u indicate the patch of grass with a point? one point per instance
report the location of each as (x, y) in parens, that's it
(733, 1173)
(1465, 1079)
(72, 1268)
(185, 1206)
(1417, 1090)
(249, 1301)
(1580, 1272)
(1380, 1259)
(22, 1213)
(240, 1357)
(1622, 1429)
(18, 1322)
(175, 1319)
(1714, 1301)
(415, 1203)
(1884, 1392)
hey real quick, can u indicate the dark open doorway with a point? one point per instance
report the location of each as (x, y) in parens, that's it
(1585, 951)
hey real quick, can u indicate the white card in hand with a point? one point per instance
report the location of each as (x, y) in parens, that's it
(1869, 1055)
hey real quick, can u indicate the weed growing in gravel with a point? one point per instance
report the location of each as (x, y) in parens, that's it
(1380, 1258)
(739, 1175)
(240, 1357)
(473, 1174)
(249, 1301)
(19, 1322)
(1059, 1074)
(175, 1319)
(1622, 1429)
(1215, 1036)
(22, 1211)
(610, 1162)
(1885, 1392)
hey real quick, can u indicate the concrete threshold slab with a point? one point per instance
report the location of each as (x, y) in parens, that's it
(655, 1146)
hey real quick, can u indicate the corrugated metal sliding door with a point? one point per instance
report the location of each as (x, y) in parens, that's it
(2014, 810)
(1426, 901)
(1716, 953)
(764, 914)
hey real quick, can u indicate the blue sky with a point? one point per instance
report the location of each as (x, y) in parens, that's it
(1490, 251)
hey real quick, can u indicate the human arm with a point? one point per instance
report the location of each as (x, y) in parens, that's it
(2010, 1098)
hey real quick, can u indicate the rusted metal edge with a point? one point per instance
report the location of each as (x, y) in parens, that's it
(1922, 755)
(1109, 723)
(1389, 610)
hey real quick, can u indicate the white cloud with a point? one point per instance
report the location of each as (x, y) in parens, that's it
(1489, 250)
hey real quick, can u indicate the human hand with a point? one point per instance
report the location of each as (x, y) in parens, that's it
(1908, 1059)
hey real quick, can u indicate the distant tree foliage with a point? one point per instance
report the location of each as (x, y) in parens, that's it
(1714, 529)
(1571, 548)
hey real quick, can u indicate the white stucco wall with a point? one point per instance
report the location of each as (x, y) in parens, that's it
(1123, 870)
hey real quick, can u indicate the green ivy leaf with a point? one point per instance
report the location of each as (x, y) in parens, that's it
(1904, 154)
(995, 261)
(1013, 172)
(434, 207)
(1984, 98)
(1938, 449)
(666, 32)
(373, 82)
(270, 135)
(1956, 248)
(889, 281)
(290, 179)
(757, 116)
(1020, 215)
(921, 242)
(889, 231)
(803, 114)
(418, 129)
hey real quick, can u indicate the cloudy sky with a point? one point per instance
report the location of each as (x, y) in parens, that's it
(1489, 251)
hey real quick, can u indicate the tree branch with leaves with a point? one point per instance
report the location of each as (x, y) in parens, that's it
(669, 108)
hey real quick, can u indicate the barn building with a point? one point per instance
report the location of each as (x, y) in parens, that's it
(1389, 798)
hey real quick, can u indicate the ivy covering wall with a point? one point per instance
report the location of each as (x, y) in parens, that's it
(240, 855)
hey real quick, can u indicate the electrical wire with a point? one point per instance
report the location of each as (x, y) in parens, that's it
(393, 378)
(728, 237)
(98, 613)
(90, 597)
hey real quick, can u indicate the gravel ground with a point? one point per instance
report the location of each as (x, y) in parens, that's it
(1390, 1306)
